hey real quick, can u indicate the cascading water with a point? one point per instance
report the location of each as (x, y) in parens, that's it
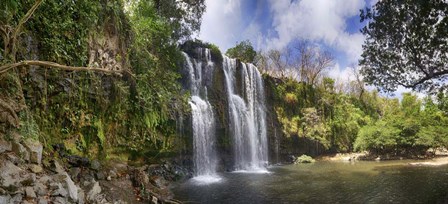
(203, 120)
(247, 117)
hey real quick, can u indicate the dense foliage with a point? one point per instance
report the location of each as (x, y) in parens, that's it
(243, 51)
(92, 113)
(406, 44)
(406, 128)
(341, 120)
(139, 111)
(329, 117)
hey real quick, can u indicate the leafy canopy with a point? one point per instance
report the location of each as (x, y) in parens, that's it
(406, 44)
(243, 51)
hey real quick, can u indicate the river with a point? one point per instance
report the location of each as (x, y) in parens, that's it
(325, 182)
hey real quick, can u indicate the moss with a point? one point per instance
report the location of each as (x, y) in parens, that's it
(28, 126)
(216, 53)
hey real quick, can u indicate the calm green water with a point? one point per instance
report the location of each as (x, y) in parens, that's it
(326, 182)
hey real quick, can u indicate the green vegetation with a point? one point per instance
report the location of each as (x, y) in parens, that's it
(328, 117)
(123, 93)
(406, 128)
(191, 46)
(94, 113)
(304, 159)
(404, 44)
(243, 51)
(345, 121)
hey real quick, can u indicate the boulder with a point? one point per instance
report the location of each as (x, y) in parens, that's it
(20, 150)
(5, 198)
(42, 201)
(45, 179)
(28, 179)
(71, 187)
(158, 181)
(58, 190)
(16, 199)
(81, 196)
(56, 167)
(78, 161)
(120, 168)
(94, 191)
(95, 165)
(100, 176)
(40, 189)
(35, 148)
(29, 192)
(10, 175)
(35, 168)
(13, 158)
(112, 174)
(5, 146)
(27, 202)
(59, 200)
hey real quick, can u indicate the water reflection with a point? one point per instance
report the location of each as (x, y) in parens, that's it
(326, 182)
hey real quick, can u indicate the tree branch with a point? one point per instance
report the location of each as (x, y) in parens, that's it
(426, 78)
(22, 21)
(47, 64)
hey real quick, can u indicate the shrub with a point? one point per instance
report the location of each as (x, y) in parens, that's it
(291, 98)
(304, 159)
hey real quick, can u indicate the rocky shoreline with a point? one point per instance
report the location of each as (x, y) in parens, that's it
(437, 159)
(29, 175)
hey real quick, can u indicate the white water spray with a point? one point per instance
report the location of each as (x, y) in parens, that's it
(203, 121)
(247, 117)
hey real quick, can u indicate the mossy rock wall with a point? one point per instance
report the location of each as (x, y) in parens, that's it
(277, 142)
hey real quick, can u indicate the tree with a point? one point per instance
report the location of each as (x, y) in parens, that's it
(310, 61)
(184, 16)
(313, 127)
(243, 51)
(406, 44)
(301, 61)
(275, 63)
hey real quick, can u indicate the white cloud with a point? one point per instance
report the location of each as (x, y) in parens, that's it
(221, 23)
(341, 74)
(400, 90)
(320, 21)
(316, 20)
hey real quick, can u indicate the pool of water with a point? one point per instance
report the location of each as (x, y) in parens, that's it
(325, 182)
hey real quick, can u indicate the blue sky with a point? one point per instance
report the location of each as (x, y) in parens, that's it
(273, 24)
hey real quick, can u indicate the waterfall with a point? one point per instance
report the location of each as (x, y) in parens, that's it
(247, 116)
(203, 119)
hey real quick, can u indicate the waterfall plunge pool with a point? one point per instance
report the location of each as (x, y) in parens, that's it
(325, 182)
